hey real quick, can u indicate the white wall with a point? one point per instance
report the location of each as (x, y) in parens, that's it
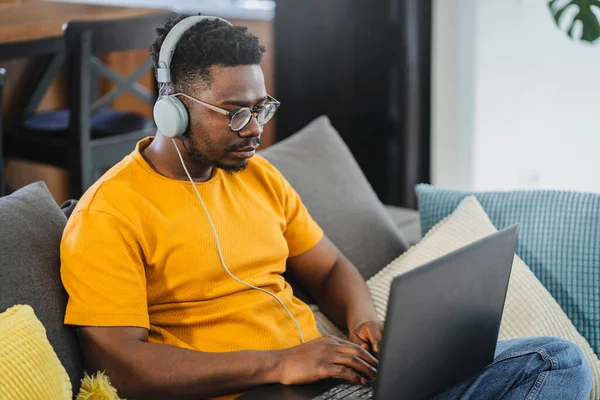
(516, 103)
(452, 93)
(262, 10)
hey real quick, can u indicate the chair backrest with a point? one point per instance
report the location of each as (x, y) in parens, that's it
(114, 35)
(84, 41)
(2, 179)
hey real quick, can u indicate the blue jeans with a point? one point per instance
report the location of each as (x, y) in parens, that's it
(527, 369)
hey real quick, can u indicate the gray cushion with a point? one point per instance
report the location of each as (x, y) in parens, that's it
(31, 226)
(320, 167)
(407, 221)
(68, 207)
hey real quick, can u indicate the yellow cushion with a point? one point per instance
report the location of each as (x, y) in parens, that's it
(29, 368)
(97, 387)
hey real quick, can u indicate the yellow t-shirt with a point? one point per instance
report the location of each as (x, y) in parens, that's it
(139, 251)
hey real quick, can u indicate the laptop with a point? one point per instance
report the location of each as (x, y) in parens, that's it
(442, 325)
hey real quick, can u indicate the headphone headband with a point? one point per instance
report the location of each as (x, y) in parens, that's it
(163, 73)
(170, 115)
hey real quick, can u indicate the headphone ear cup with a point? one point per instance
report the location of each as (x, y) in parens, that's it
(171, 116)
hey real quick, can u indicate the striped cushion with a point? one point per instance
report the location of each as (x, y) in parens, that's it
(559, 240)
(29, 368)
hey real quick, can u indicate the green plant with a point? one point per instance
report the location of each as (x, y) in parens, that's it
(589, 20)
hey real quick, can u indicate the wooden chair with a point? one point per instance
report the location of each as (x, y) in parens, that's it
(89, 137)
(2, 179)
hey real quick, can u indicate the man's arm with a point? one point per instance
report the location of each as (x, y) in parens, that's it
(143, 370)
(139, 369)
(337, 286)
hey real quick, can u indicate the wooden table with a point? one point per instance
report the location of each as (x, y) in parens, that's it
(28, 20)
(31, 37)
(32, 51)
(32, 29)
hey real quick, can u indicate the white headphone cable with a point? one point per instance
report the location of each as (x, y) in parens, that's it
(219, 246)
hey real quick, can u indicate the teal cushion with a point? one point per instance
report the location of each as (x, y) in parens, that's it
(559, 239)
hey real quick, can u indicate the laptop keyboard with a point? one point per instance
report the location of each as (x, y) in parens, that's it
(345, 390)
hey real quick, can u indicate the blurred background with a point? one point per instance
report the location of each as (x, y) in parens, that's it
(464, 94)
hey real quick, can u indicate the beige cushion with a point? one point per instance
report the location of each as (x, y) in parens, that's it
(530, 309)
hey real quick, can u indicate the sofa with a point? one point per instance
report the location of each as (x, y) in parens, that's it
(315, 161)
(31, 225)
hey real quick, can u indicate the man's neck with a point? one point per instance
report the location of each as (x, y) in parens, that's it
(163, 158)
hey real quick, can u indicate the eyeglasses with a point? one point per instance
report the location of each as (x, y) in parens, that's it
(240, 117)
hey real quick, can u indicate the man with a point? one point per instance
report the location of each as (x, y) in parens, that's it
(163, 290)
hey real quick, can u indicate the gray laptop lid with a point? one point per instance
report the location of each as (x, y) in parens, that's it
(442, 324)
(443, 319)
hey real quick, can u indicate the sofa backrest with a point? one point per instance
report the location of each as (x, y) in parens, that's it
(320, 167)
(31, 226)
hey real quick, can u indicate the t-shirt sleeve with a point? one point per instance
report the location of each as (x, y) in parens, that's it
(102, 270)
(302, 232)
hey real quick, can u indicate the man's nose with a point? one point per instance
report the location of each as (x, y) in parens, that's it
(252, 129)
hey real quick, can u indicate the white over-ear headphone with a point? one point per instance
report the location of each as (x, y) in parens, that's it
(170, 115)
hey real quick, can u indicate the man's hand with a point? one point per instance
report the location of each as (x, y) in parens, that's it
(326, 357)
(368, 335)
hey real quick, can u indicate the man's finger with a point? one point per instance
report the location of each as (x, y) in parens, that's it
(359, 341)
(359, 351)
(377, 342)
(357, 364)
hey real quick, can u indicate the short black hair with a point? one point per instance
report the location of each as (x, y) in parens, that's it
(207, 43)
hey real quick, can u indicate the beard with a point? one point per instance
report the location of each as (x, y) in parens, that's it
(194, 153)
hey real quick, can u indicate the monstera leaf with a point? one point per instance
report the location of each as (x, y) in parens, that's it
(589, 21)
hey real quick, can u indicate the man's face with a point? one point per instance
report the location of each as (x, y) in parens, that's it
(210, 141)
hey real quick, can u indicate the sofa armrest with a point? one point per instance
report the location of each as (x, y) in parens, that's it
(407, 221)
